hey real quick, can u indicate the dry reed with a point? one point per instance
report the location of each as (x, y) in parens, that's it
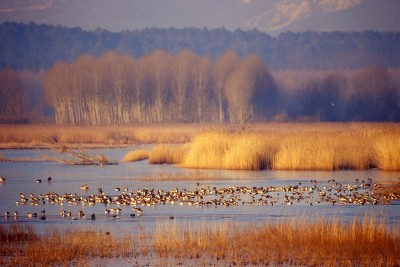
(304, 147)
(299, 241)
(20, 245)
(38, 135)
(168, 154)
(294, 146)
(136, 155)
(330, 243)
(387, 151)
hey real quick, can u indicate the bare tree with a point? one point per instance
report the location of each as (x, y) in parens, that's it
(183, 72)
(224, 65)
(202, 84)
(239, 89)
(160, 66)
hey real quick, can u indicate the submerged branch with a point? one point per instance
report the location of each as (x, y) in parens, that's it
(73, 156)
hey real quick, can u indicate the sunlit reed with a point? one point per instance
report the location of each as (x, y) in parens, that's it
(296, 241)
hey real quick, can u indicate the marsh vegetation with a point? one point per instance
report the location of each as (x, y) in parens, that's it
(288, 147)
(288, 242)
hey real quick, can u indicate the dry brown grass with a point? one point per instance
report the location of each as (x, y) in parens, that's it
(294, 146)
(387, 151)
(116, 135)
(136, 155)
(168, 154)
(299, 241)
(298, 147)
(330, 243)
(21, 246)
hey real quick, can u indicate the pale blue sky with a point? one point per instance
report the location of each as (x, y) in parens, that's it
(271, 16)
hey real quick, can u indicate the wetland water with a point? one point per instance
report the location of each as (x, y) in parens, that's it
(22, 175)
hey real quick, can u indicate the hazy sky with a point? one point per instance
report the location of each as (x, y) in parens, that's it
(271, 16)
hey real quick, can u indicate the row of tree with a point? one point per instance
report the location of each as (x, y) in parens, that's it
(39, 46)
(161, 87)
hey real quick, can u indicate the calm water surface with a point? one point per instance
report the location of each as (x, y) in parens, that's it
(21, 178)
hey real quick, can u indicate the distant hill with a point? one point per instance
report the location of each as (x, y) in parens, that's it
(33, 46)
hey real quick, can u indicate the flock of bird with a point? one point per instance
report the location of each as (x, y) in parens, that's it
(306, 193)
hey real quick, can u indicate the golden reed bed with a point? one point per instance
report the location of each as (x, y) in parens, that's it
(288, 146)
(331, 243)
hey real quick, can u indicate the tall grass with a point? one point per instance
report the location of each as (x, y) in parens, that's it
(330, 243)
(22, 246)
(302, 147)
(167, 154)
(136, 155)
(300, 241)
(231, 150)
(294, 146)
(387, 151)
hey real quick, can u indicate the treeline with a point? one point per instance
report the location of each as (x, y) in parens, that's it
(34, 47)
(161, 87)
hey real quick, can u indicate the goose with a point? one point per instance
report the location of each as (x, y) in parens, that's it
(84, 187)
(138, 210)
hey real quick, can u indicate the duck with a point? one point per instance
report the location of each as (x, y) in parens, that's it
(2, 179)
(81, 214)
(38, 181)
(16, 214)
(49, 179)
(29, 215)
(93, 217)
(6, 214)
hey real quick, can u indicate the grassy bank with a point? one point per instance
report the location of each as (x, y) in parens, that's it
(331, 243)
(294, 147)
(40, 135)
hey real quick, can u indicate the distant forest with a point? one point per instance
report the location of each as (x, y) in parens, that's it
(34, 47)
(71, 76)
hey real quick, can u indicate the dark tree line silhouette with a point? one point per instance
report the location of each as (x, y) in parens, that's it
(34, 47)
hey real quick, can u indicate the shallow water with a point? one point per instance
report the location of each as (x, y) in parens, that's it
(21, 178)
